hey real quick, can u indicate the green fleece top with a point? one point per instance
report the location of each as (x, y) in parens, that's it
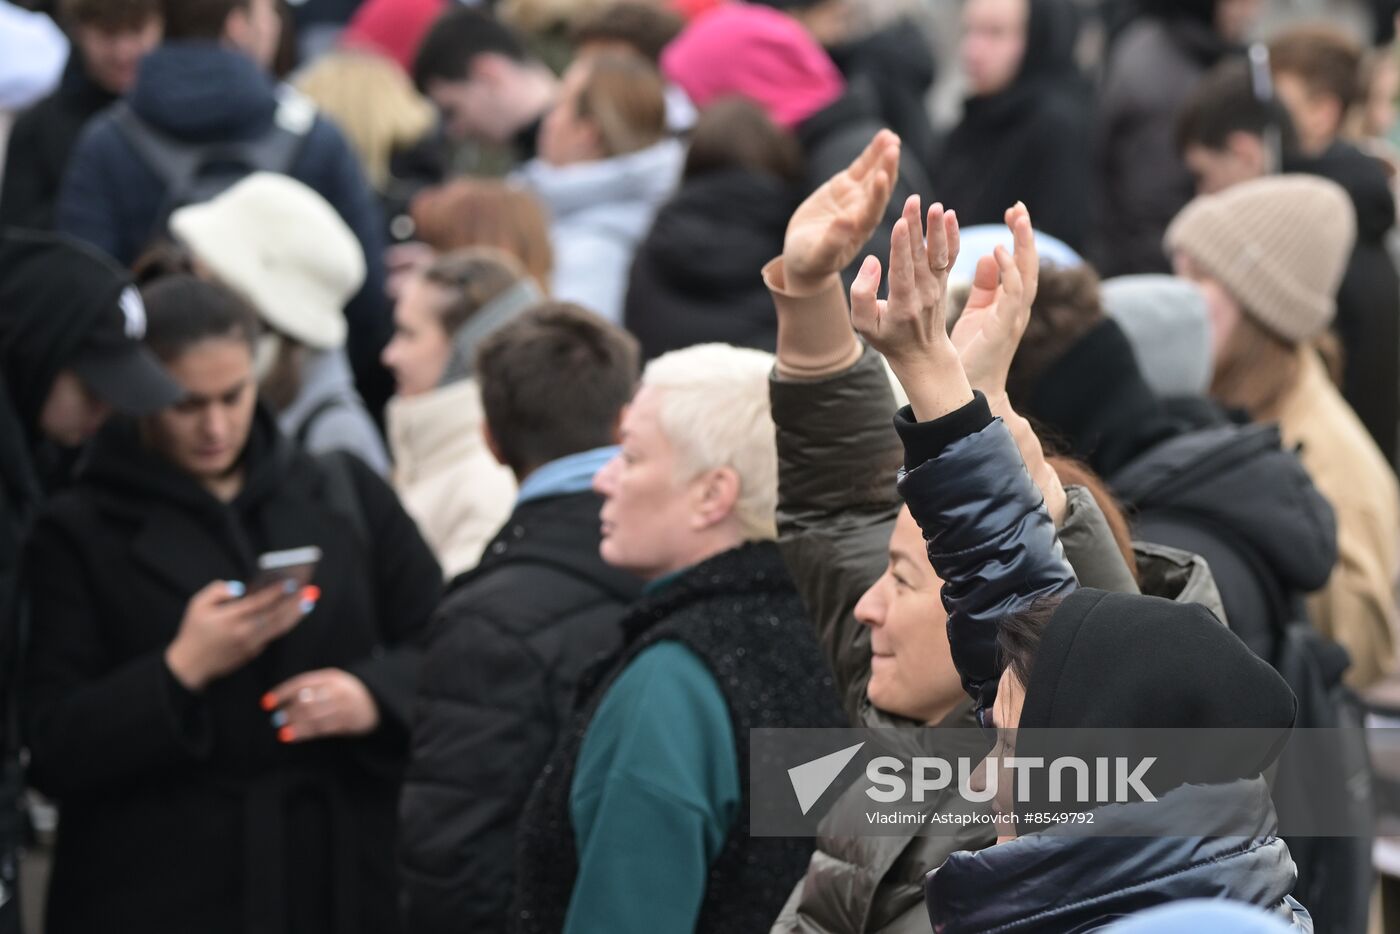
(655, 793)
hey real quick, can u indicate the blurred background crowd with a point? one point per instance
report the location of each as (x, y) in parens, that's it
(382, 277)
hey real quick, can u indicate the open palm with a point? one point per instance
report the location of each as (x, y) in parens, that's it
(829, 228)
(999, 308)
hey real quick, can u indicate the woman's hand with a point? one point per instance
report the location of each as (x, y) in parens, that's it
(910, 327)
(828, 230)
(321, 704)
(223, 630)
(998, 310)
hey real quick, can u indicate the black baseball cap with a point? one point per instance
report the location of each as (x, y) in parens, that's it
(66, 304)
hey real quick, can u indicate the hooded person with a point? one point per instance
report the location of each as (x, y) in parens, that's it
(70, 353)
(695, 278)
(1270, 255)
(1035, 649)
(767, 56)
(1152, 68)
(1024, 131)
(446, 476)
(223, 731)
(1194, 479)
(280, 245)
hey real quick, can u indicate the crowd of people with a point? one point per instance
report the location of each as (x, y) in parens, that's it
(435, 436)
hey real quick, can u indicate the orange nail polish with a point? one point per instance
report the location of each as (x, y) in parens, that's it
(311, 592)
(269, 701)
(286, 735)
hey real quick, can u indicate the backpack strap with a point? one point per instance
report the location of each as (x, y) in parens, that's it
(302, 436)
(174, 163)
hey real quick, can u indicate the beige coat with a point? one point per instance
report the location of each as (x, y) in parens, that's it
(1357, 607)
(448, 481)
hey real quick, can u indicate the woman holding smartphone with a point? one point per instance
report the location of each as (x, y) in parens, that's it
(225, 749)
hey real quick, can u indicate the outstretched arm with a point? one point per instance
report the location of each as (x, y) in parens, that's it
(989, 535)
(831, 400)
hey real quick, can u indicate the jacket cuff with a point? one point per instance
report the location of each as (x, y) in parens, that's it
(815, 338)
(924, 441)
(189, 714)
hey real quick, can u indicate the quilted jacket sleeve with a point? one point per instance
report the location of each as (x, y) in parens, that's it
(988, 533)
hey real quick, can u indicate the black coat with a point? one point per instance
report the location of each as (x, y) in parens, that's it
(510, 644)
(1368, 300)
(182, 812)
(40, 143)
(899, 62)
(1029, 142)
(697, 276)
(832, 138)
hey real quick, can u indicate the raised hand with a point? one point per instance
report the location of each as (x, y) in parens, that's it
(828, 230)
(998, 309)
(910, 327)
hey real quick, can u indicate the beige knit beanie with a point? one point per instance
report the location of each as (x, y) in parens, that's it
(1279, 245)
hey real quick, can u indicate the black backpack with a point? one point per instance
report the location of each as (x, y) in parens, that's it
(193, 173)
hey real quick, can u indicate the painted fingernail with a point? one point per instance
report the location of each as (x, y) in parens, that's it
(307, 606)
(311, 592)
(269, 701)
(235, 588)
(280, 718)
(286, 734)
(289, 587)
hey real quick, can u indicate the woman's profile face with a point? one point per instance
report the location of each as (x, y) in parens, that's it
(420, 349)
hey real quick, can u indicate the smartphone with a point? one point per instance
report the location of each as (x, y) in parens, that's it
(293, 564)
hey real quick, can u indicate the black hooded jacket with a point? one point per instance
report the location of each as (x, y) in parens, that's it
(1193, 479)
(41, 141)
(697, 275)
(1029, 142)
(1368, 301)
(1151, 69)
(183, 812)
(898, 60)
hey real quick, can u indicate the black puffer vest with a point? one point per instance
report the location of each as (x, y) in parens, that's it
(738, 612)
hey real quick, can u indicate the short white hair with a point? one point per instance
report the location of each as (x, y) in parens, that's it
(713, 407)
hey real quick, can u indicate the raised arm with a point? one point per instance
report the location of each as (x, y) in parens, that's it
(838, 460)
(989, 535)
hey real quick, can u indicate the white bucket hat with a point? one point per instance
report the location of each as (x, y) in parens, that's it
(284, 248)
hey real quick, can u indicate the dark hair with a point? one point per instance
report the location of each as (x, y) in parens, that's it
(1067, 306)
(472, 278)
(1227, 101)
(200, 19)
(1324, 57)
(162, 258)
(454, 42)
(553, 383)
(735, 133)
(182, 311)
(1019, 635)
(111, 15)
(645, 27)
